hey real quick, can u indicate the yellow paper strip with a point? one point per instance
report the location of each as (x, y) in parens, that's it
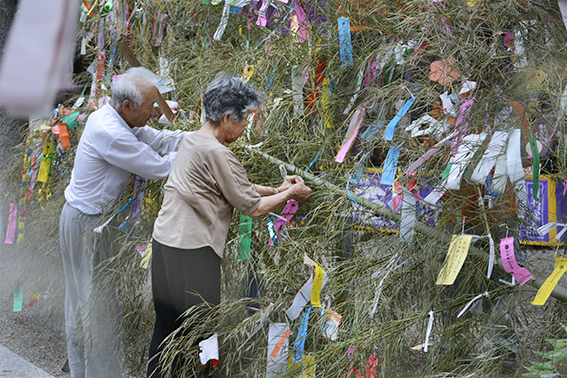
(145, 263)
(45, 164)
(317, 281)
(458, 250)
(545, 290)
(305, 369)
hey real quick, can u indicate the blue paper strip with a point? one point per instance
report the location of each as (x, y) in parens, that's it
(372, 130)
(389, 133)
(390, 165)
(299, 345)
(18, 296)
(344, 41)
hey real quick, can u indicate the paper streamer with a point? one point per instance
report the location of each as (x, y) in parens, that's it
(305, 369)
(244, 234)
(485, 294)
(317, 281)
(356, 91)
(262, 20)
(522, 275)
(447, 104)
(545, 290)
(461, 125)
(428, 332)
(18, 296)
(371, 130)
(45, 165)
(428, 154)
(224, 21)
(516, 171)
(332, 326)
(272, 232)
(102, 226)
(492, 257)
(345, 45)
(278, 341)
(458, 250)
(302, 297)
(146, 256)
(287, 213)
(488, 160)
(390, 165)
(391, 127)
(469, 145)
(12, 224)
(352, 131)
(408, 217)
(297, 90)
(500, 177)
(299, 344)
(535, 154)
(301, 22)
(545, 229)
(209, 350)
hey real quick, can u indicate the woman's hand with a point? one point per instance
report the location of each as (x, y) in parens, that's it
(288, 182)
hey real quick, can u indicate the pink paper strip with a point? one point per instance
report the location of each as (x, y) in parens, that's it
(522, 275)
(428, 154)
(12, 224)
(288, 212)
(301, 21)
(464, 112)
(344, 149)
(262, 20)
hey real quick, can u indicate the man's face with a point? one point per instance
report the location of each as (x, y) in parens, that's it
(139, 116)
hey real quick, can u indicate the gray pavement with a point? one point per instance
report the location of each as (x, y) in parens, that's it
(14, 366)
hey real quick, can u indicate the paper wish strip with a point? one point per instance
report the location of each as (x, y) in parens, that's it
(545, 290)
(278, 341)
(522, 275)
(458, 251)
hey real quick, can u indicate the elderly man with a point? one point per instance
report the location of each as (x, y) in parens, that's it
(114, 144)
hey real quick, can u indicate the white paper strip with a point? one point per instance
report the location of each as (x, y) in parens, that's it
(488, 160)
(278, 341)
(514, 157)
(209, 349)
(303, 297)
(471, 302)
(357, 90)
(464, 154)
(500, 175)
(428, 332)
(297, 90)
(408, 217)
(223, 22)
(448, 104)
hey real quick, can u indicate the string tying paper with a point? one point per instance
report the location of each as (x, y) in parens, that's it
(522, 275)
(354, 126)
(299, 345)
(428, 332)
(12, 224)
(485, 294)
(545, 290)
(391, 127)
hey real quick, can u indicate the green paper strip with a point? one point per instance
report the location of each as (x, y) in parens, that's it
(445, 173)
(18, 296)
(245, 235)
(70, 120)
(535, 155)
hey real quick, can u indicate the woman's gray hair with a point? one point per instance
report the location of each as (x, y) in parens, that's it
(131, 85)
(229, 95)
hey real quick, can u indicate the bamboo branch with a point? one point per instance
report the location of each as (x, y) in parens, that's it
(559, 292)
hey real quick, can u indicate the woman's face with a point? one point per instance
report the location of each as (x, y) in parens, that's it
(232, 130)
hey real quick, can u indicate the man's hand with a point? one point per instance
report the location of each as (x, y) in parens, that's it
(288, 182)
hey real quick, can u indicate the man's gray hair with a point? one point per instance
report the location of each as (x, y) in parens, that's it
(232, 96)
(131, 85)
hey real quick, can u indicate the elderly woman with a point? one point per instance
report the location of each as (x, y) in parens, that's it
(206, 183)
